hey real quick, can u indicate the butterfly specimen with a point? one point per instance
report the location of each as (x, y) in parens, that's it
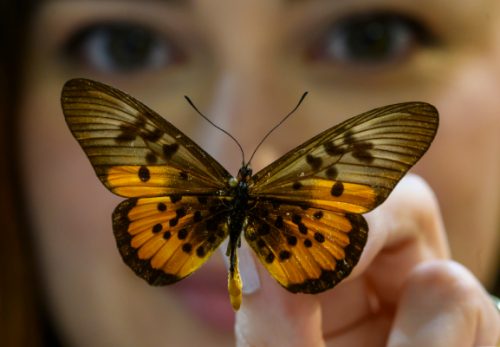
(301, 214)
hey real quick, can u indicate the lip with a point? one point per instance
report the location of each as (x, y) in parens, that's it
(205, 294)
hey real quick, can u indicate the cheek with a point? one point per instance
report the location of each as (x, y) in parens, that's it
(465, 156)
(463, 165)
(69, 209)
(63, 192)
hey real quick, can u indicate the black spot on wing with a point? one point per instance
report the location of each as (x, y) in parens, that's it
(175, 198)
(278, 223)
(152, 136)
(302, 228)
(173, 222)
(314, 162)
(187, 248)
(337, 189)
(144, 174)
(269, 258)
(331, 172)
(180, 212)
(319, 237)
(182, 234)
(157, 228)
(161, 207)
(284, 255)
(128, 133)
(291, 240)
(361, 152)
(349, 137)
(332, 150)
(151, 158)
(170, 150)
(200, 251)
(318, 215)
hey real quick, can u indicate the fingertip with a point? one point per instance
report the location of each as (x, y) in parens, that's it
(411, 211)
(442, 304)
(271, 316)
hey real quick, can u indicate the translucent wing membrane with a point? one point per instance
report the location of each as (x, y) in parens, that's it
(305, 250)
(165, 239)
(368, 153)
(116, 131)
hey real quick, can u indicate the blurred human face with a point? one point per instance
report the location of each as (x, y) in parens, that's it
(245, 64)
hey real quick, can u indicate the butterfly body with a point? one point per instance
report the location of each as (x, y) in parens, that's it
(237, 220)
(302, 214)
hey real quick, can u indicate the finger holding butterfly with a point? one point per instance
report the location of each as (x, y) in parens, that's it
(406, 247)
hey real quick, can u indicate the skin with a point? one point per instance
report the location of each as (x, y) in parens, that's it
(245, 64)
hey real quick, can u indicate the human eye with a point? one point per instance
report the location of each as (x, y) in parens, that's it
(370, 39)
(120, 47)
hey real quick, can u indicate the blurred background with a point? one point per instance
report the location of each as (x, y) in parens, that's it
(245, 64)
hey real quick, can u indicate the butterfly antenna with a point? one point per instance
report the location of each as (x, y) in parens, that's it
(277, 125)
(218, 127)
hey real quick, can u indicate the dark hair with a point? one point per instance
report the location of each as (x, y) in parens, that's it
(21, 309)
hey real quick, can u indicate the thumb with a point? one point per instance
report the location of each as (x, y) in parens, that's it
(271, 316)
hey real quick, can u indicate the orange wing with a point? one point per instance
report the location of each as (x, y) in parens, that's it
(165, 239)
(309, 250)
(134, 151)
(308, 202)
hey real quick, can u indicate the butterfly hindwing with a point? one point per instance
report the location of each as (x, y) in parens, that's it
(305, 250)
(134, 151)
(364, 156)
(164, 239)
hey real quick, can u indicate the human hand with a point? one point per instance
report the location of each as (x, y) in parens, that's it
(405, 290)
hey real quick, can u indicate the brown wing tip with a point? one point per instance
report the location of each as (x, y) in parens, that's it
(142, 268)
(330, 278)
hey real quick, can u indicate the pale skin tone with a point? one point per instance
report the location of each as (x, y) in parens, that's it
(245, 64)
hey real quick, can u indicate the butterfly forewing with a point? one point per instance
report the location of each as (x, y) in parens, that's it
(134, 151)
(164, 239)
(368, 153)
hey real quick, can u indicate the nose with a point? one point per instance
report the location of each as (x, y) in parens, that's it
(250, 92)
(242, 105)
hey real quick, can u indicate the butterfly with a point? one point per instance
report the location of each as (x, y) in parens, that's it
(301, 215)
